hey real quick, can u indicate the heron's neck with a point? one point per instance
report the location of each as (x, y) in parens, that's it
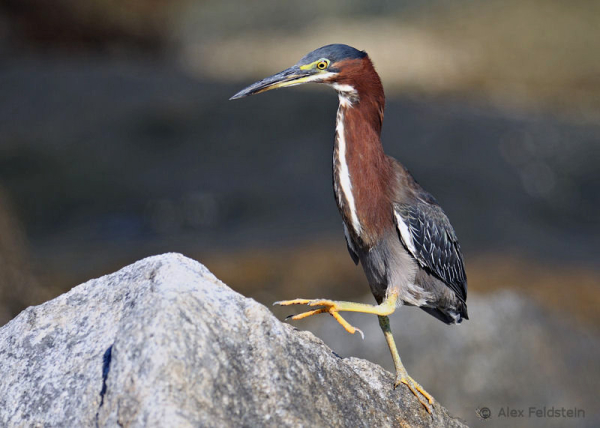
(361, 170)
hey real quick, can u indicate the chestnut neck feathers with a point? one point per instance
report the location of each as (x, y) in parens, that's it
(361, 170)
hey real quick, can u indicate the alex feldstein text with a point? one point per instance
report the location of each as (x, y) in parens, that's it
(541, 412)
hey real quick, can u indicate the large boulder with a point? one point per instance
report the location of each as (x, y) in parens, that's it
(163, 342)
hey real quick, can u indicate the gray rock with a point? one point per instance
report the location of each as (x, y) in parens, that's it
(163, 342)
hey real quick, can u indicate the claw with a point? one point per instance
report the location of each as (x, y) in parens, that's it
(362, 335)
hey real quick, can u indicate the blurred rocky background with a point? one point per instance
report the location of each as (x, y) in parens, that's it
(117, 142)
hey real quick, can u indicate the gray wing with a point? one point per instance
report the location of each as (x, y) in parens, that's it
(427, 234)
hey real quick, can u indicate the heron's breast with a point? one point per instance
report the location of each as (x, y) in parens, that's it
(361, 178)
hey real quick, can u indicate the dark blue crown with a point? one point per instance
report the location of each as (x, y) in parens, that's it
(333, 53)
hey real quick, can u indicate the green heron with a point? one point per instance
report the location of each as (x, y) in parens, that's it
(397, 231)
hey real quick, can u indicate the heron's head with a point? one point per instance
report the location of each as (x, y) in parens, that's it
(331, 64)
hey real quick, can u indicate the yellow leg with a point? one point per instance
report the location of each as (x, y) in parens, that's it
(401, 374)
(386, 307)
(333, 307)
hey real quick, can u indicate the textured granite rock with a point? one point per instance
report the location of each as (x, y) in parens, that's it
(163, 342)
(512, 353)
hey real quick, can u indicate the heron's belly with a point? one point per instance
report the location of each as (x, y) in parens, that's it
(388, 266)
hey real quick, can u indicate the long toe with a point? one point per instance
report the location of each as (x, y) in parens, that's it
(417, 390)
(328, 306)
(292, 302)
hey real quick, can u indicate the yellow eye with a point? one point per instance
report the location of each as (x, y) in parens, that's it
(322, 65)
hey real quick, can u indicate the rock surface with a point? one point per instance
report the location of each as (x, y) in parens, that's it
(512, 353)
(163, 342)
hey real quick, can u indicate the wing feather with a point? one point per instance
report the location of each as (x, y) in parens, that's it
(427, 234)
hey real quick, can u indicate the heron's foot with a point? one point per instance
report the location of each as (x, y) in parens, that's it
(326, 306)
(415, 388)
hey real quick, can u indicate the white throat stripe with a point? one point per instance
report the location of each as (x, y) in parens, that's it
(344, 173)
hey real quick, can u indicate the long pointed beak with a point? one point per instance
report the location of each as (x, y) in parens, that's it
(290, 77)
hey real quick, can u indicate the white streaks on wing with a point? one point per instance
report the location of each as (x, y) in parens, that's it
(405, 234)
